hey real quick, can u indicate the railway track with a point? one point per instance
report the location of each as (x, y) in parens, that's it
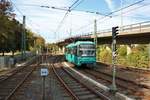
(11, 73)
(10, 84)
(75, 88)
(124, 86)
(31, 87)
(124, 68)
(15, 70)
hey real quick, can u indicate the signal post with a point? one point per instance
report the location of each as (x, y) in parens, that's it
(114, 55)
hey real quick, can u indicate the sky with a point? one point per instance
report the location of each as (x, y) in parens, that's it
(48, 22)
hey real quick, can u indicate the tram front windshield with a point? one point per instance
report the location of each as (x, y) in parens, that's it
(87, 50)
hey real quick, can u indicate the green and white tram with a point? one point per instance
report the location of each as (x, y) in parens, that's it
(81, 53)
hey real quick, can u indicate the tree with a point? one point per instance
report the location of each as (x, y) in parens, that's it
(5, 7)
(11, 32)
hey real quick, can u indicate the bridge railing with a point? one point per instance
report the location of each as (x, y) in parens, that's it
(138, 27)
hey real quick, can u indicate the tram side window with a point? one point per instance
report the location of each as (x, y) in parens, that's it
(80, 53)
(72, 51)
(75, 51)
(66, 50)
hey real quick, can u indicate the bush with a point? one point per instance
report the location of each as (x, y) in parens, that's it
(138, 57)
(104, 55)
(122, 51)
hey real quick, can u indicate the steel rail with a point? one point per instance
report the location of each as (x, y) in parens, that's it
(64, 84)
(133, 89)
(122, 79)
(109, 81)
(97, 93)
(90, 89)
(19, 85)
(14, 71)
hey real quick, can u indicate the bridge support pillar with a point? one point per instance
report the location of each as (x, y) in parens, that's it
(149, 55)
(63, 49)
(108, 47)
(129, 49)
(59, 50)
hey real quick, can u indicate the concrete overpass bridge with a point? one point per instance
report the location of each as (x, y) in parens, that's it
(138, 33)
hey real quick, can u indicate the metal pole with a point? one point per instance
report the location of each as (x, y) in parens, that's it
(95, 34)
(43, 88)
(121, 16)
(34, 46)
(70, 25)
(114, 88)
(149, 55)
(114, 54)
(24, 37)
(22, 43)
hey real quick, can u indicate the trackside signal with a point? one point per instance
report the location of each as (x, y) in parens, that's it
(114, 35)
(115, 31)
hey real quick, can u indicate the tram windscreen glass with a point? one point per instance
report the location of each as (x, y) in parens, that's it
(87, 46)
(86, 50)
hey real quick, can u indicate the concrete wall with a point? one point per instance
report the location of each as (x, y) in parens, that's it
(4, 62)
(9, 62)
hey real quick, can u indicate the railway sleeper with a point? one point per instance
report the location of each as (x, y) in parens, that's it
(79, 89)
(83, 93)
(75, 86)
(87, 97)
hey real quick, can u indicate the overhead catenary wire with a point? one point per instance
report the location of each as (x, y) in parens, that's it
(77, 4)
(29, 20)
(16, 8)
(74, 4)
(66, 14)
(133, 9)
(129, 16)
(40, 6)
(72, 9)
(107, 15)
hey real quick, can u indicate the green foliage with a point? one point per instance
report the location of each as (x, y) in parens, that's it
(122, 51)
(8, 28)
(52, 48)
(11, 34)
(30, 40)
(103, 54)
(138, 58)
(11, 31)
(39, 42)
(5, 7)
(122, 54)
